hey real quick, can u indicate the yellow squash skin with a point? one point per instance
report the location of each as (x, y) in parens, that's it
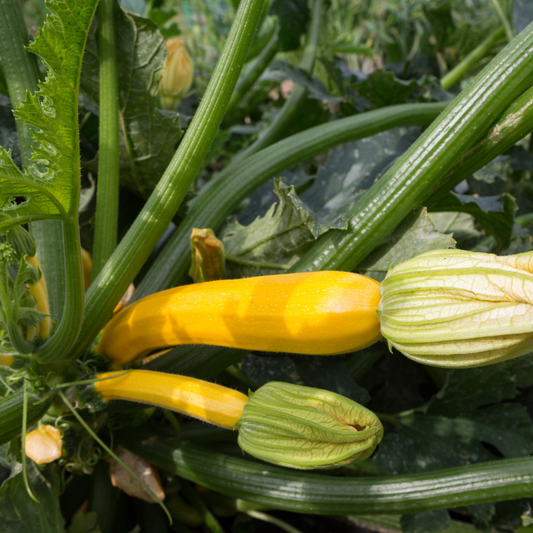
(200, 399)
(40, 293)
(317, 313)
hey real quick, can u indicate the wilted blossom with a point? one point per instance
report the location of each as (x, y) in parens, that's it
(178, 75)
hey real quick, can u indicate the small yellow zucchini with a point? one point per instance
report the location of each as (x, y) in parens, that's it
(316, 313)
(40, 293)
(190, 396)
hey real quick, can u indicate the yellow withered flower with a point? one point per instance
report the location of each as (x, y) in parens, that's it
(178, 75)
(458, 309)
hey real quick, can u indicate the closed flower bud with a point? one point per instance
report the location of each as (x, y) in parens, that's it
(44, 445)
(208, 256)
(452, 308)
(306, 428)
(178, 75)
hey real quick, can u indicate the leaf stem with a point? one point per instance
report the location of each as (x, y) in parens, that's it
(107, 192)
(23, 445)
(471, 59)
(503, 19)
(109, 286)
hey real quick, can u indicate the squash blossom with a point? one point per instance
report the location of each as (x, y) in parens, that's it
(458, 309)
(178, 75)
(304, 428)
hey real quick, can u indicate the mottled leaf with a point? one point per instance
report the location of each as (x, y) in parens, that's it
(262, 369)
(149, 135)
(382, 88)
(413, 236)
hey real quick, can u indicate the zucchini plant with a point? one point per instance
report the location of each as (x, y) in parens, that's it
(70, 371)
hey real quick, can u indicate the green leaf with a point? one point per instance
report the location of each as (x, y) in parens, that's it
(494, 213)
(430, 522)
(506, 426)
(382, 88)
(149, 134)
(265, 368)
(413, 236)
(20, 514)
(465, 390)
(268, 244)
(51, 183)
(460, 225)
(293, 18)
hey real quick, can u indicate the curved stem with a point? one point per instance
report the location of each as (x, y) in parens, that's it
(471, 59)
(222, 195)
(107, 289)
(106, 218)
(66, 334)
(503, 19)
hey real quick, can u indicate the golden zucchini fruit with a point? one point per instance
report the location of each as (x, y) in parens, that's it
(316, 313)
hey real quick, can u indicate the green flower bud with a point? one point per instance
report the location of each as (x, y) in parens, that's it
(458, 309)
(21, 241)
(305, 428)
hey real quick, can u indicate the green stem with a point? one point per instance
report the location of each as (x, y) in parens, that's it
(269, 519)
(103, 497)
(253, 72)
(405, 185)
(503, 19)
(120, 270)
(282, 488)
(222, 195)
(106, 218)
(471, 59)
(23, 445)
(515, 123)
(21, 73)
(19, 343)
(283, 120)
(67, 332)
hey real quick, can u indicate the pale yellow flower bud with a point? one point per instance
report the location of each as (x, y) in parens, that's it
(452, 308)
(44, 445)
(178, 76)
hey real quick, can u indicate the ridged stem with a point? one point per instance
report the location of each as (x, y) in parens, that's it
(222, 195)
(107, 192)
(405, 185)
(471, 59)
(290, 490)
(109, 286)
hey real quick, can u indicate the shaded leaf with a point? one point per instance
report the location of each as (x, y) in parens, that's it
(459, 225)
(429, 522)
(413, 236)
(84, 523)
(382, 88)
(494, 213)
(467, 389)
(149, 135)
(262, 369)
(522, 14)
(506, 426)
(293, 18)
(20, 514)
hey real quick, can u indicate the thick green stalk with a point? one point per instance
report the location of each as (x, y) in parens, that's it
(106, 218)
(290, 490)
(21, 73)
(405, 185)
(258, 66)
(515, 124)
(282, 121)
(222, 195)
(67, 332)
(107, 289)
(471, 59)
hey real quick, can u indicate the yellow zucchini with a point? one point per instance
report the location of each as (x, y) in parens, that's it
(318, 313)
(40, 293)
(200, 399)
